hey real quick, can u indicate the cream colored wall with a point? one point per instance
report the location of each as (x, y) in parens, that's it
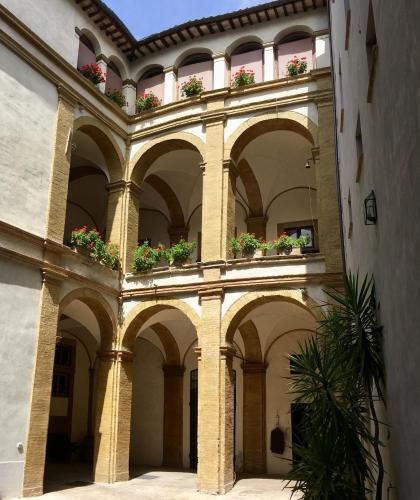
(27, 129)
(147, 410)
(279, 399)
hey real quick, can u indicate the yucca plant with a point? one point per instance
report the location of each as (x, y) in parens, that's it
(337, 375)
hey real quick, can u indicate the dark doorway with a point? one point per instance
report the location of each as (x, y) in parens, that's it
(298, 410)
(193, 418)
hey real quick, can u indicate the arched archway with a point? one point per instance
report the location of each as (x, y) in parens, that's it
(161, 337)
(96, 163)
(270, 324)
(168, 171)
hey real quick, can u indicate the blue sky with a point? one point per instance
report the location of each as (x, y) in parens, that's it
(144, 18)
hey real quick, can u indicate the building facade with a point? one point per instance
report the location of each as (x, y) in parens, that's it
(182, 366)
(376, 60)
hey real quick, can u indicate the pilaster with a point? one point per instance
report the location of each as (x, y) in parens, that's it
(129, 90)
(269, 62)
(220, 71)
(131, 223)
(169, 85)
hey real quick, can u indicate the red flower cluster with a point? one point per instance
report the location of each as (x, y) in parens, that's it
(147, 101)
(93, 73)
(242, 77)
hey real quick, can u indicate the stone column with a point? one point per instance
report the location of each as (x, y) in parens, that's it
(169, 92)
(215, 469)
(218, 211)
(172, 418)
(269, 66)
(131, 224)
(129, 90)
(102, 62)
(57, 206)
(220, 71)
(255, 460)
(36, 441)
(113, 416)
(114, 215)
(257, 225)
(327, 196)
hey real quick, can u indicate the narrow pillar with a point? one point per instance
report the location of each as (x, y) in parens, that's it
(114, 215)
(169, 91)
(102, 62)
(257, 225)
(327, 197)
(61, 167)
(172, 418)
(255, 460)
(218, 211)
(269, 67)
(215, 469)
(131, 224)
(36, 441)
(220, 71)
(113, 416)
(129, 90)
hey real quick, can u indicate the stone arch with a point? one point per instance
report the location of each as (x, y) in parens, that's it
(144, 311)
(93, 40)
(169, 343)
(155, 148)
(242, 41)
(101, 135)
(268, 122)
(251, 341)
(190, 52)
(281, 193)
(169, 197)
(120, 65)
(101, 310)
(146, 69)
(239, 309)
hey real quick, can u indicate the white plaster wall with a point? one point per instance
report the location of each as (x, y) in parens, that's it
(27, 129)
(19, 313)
(389, 249)
(147, 407)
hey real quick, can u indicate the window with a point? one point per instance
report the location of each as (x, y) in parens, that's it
(63, 354)
(359, 148)
(61, 384)
(302, 228)
(371, 50)
(348, 21)
(63, 368)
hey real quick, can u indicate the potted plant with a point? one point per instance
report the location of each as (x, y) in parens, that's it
(179, 253)
(242, 78)
(146, 102)
(283, 244)
(246, 243)
(193, 86)
(145, 257)
(93, 73)
(90, 243)
(117, 96)
(299, 244)
(265, 246)
(297, 66)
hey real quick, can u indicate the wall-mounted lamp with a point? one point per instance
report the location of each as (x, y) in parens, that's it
(307, 164)
(371, 214)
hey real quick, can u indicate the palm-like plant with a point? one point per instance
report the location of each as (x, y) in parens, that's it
(337, 374)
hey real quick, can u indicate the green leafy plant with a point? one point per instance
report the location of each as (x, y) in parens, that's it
(265, 246)
(339, 376)
(193, 86)
(146, 102)
(117, 96)
(301, 242)
(93, 73)
(146, 257)
(297, 66)
(178, 253)
(242, 77)
(284, 243)
(99, 251)
(246, 243)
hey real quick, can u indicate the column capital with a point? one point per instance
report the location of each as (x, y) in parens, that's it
(65, 94)
(210, 119)
(116, 186)
(134, 188)
(129, 82)
(268, 45)
(102, 57)
(226, 352)
(53, 276)
(116, 355)
(229, 165)
(197, 351)
(211, 294)
(169, 69)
